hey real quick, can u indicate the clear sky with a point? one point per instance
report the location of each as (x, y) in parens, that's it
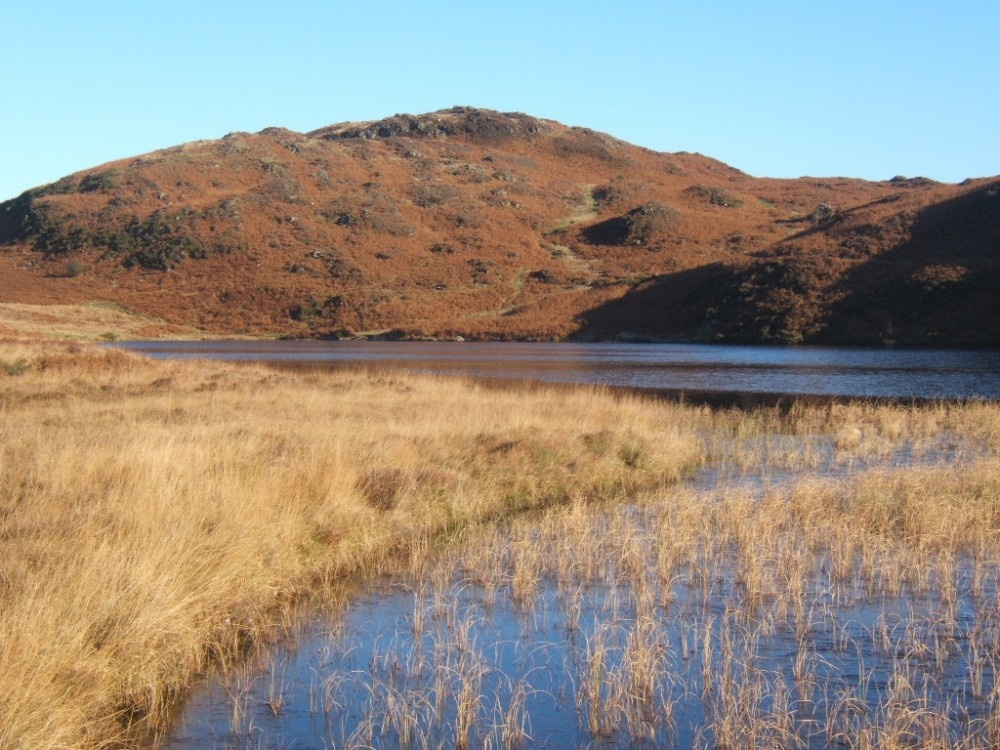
(858, 88)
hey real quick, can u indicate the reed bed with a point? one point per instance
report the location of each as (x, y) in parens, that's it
(162, 519)
(848, 599)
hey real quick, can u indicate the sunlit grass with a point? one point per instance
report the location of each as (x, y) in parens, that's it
(156, 518)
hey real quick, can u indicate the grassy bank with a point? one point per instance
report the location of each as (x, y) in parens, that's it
(155, 516)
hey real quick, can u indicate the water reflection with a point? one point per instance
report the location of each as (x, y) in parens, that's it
(877, 373)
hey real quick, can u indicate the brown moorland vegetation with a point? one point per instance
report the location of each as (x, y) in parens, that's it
(473, 223)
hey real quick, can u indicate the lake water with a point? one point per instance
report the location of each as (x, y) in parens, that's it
(694, 368)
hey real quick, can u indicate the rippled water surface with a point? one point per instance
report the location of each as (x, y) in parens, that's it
(880, 373)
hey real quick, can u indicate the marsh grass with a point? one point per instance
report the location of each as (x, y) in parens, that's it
(162, 519)
(853, 603)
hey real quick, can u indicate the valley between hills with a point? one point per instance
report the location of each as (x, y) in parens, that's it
(469, 223)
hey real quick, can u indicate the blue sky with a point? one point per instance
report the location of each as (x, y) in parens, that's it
(870, 88)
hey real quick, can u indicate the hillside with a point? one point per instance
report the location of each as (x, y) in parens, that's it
(473, 223)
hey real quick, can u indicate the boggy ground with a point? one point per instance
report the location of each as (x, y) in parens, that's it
(829, 579)
(162, 519)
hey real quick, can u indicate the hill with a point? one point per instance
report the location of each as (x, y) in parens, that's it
(473, 223)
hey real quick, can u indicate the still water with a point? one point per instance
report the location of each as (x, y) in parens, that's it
(866, 373)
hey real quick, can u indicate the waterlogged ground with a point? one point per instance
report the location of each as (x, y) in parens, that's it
(807, 591)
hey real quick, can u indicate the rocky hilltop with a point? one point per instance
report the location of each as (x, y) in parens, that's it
(479, 224)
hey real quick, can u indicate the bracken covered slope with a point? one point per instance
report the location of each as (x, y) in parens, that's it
(474, 223)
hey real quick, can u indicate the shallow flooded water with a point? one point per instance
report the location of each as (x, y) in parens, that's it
(467, 667)
(868, 373)
(709, 615)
